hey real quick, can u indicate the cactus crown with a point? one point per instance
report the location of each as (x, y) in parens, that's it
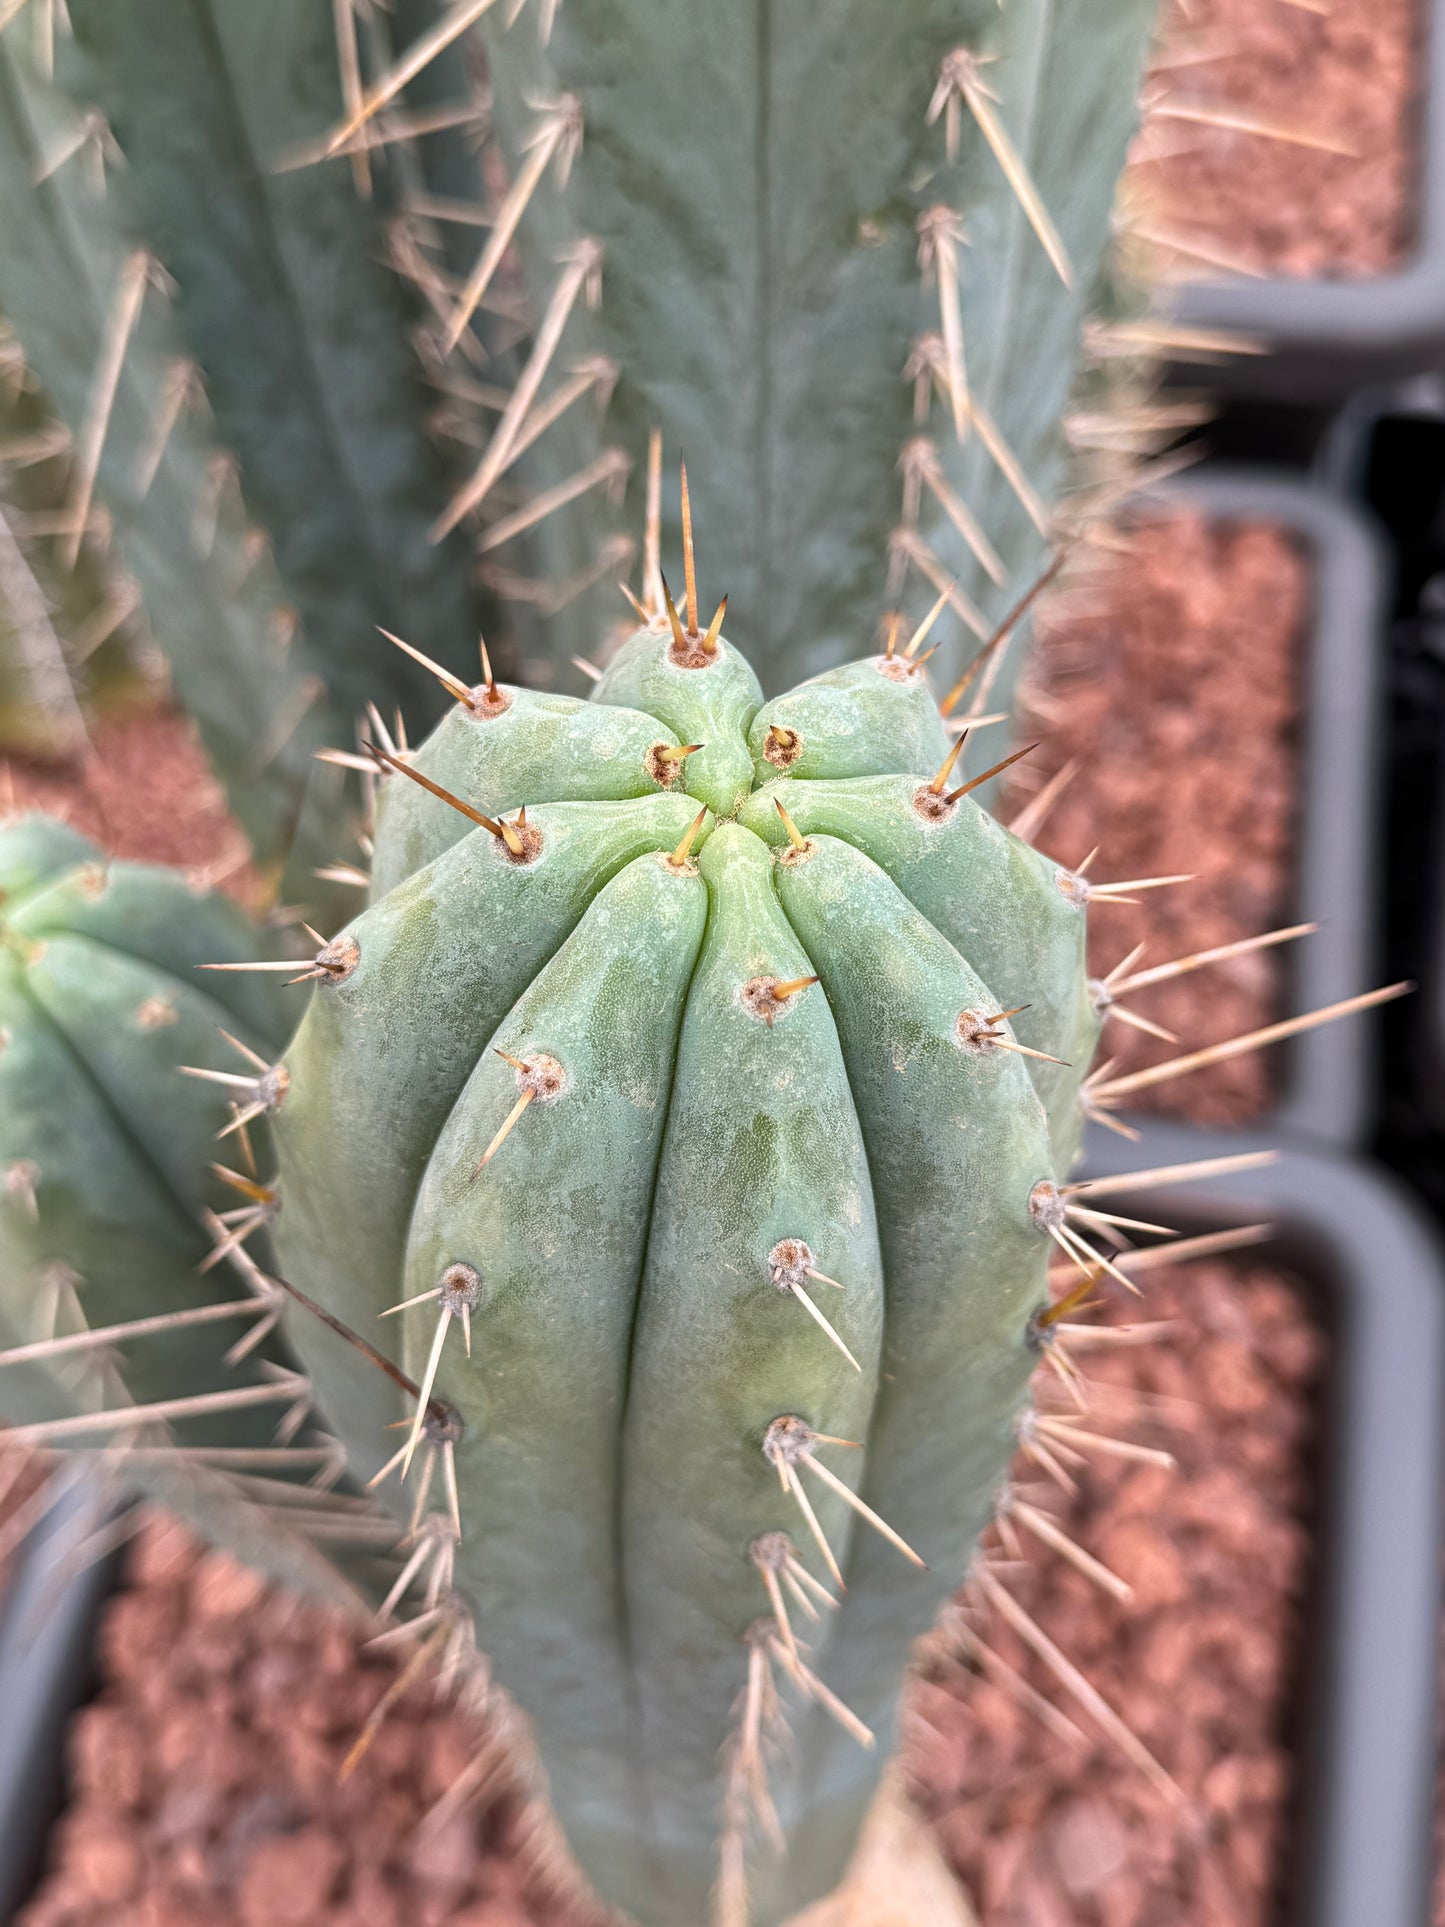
(684, 1119)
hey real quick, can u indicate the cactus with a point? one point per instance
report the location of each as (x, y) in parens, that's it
(107, 1209)
(843, 257)
(284, 318)
(624, 1083)
(698, 1093)
(675, 1146)
(722, 1101)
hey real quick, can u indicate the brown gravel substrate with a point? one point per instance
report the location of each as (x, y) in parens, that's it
(1176, 688)
(205, 1775)
(1201, 1663)
(1346, 70)
(146, 793)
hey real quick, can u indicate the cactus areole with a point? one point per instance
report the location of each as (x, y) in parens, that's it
(696, 1096)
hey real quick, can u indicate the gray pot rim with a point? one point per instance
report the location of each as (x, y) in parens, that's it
(49, 1612)
(1363, 1851)
(1326, 336)
(1328, 1074)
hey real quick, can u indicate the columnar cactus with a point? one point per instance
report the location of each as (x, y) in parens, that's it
(237, 414)
(844, 254)
(105, 1197)
(100, 1003)
(115, 1319)
(697, 1091)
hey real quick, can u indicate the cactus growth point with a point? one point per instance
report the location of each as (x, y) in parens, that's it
(679, 1121)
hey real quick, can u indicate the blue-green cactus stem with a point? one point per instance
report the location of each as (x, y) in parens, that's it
(389, 1044)
(706, 692)
(1016, 916)
(957, 1140)
(556, 1230)
(103, 1144)
(699, 1165)
(763, 1151)
(862, 719)
(505, 747)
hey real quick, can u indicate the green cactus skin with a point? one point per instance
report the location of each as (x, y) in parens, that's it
(762, 182)
(284, 310)
(103, 1143)
(215, 611)
(623, 1253)
(289, 308)
(524, 748)
(103, 1156)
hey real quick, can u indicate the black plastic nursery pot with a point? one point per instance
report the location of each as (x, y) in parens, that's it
(1326, 337)
(1386, 449)
(1361, 1854)
(1326, 1076)
(49, 1612)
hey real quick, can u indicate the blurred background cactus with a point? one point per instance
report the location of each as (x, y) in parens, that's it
(114, 1200)
(844, 259)
(252, 254)
(235, 414)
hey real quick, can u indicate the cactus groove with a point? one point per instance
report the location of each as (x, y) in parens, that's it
(679, 1122)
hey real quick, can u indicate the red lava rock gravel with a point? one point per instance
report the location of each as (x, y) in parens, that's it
(1200, 1663)
(1344, 69)
(204, 1777)
(147, 793)
(1175, 686)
